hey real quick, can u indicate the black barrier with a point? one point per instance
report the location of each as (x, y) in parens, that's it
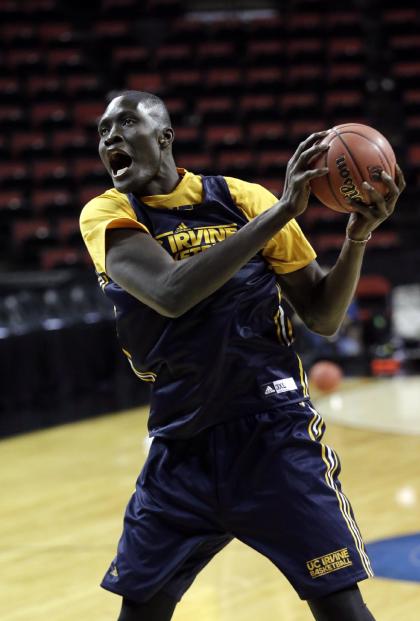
(60, 357)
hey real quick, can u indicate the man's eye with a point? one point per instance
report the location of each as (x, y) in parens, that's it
(103, 131)
(128, 121)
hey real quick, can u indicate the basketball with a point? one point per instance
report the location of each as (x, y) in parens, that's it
(357, 153)
(326, 376)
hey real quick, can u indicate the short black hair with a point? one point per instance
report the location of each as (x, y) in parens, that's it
(151, 102)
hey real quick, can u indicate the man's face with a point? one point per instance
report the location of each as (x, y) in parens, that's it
(129, 145)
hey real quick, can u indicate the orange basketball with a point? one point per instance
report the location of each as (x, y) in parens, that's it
(326, 376)
(357, 153)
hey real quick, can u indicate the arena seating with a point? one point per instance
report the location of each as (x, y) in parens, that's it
(242, 94)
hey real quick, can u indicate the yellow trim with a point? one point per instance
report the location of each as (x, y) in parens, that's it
(343, 502)
(281, 329)
(302, 377)
(146, 376)
(290, 329)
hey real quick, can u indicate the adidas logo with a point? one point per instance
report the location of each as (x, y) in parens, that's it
(181, 227)
(269, 390)
(114, 572)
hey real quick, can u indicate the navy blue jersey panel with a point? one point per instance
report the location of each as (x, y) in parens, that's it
(226, 357)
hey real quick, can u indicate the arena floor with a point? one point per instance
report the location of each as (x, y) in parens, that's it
(63, 493)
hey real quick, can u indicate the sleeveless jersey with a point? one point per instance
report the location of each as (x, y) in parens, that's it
(230, 355)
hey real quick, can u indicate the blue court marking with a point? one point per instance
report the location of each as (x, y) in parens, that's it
(397, 557)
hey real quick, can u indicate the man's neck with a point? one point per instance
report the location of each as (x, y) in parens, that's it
(165, 182)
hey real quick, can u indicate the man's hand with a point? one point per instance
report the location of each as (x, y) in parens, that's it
(298, 176)
(366, 218)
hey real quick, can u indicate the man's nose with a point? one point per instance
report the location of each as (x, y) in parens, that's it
(112, 138)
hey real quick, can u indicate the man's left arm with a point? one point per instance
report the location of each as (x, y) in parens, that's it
(322, 299)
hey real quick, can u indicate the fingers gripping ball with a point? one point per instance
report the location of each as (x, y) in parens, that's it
(326, 376)
(357, 153)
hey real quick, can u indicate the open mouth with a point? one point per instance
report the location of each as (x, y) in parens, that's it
(120, 162)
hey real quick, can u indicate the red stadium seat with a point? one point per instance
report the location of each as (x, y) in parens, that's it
(112, 30)
(237, 160)
(13, 172)
(176, 106)
(38, 7)
(223, 134)
(267, 26)
(267, 131)
(230, 78)
(399, 15)
(373, 285)
(187, 29)
(216, 53)
(67, 141)
(339, 20)
(51, 200)
(130, 56)
(263, 51)
(9, 88)
(299, 130)
(16, 34)
(346, 47)
(11, 199)
(151, 82)
(299, 102)
(81, 84)
(407, 73)
(196, 162)
(88, 168)
(216, 108)
(87, 114)
(187, 137)
(405, 46)
(25, 60)
(109, 5)
(46, 113)
(68, 228)
(305, 75)
(49, 171)
(259, 107)
(25, 229)
(349, 100)
(264, 79)
(346, 74)
(274, 158)
(87, 192)
(28, 143)
(57, 32)
(185, 78)
(12, 117)
(302, 22)
(413, 153)
(173, 55)
(54, 258)
(37, 86)
(65, 60)
(305, 48)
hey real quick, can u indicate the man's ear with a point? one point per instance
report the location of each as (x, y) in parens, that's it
(166, 137)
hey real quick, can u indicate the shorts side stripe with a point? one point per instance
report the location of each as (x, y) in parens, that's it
(146, 376)
(303, 379)
(331, 461)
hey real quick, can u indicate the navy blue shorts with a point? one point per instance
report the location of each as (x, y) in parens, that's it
(265, 479)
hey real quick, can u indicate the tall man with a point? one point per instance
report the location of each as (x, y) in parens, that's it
(196, 267)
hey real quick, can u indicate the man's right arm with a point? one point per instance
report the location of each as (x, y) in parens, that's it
(138, 263)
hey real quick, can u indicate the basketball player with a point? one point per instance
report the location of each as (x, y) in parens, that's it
(196, 268)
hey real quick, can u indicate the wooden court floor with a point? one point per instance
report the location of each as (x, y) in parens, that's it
(63, 493)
